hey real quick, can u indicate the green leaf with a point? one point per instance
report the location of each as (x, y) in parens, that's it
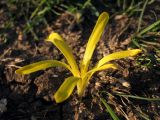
(118, 55)
(109, 109)
(93, 40)
(58, 41)
(140, 98)
(37, 9)
(157, 23)
(42, 65)
(65, 89)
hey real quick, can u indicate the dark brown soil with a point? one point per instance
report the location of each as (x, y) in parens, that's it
(29, 97)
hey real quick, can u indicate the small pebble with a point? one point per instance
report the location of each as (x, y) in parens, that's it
(33, 117)
(3, 104)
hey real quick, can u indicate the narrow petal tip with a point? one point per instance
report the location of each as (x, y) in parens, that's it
(135, 52)
(53, 36)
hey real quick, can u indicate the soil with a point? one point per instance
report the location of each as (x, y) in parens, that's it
(29, 97)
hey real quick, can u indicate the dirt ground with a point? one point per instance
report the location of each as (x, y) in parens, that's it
(29, 97)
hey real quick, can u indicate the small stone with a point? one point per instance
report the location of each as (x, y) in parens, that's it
(33, 117)
(3, 104)
(124, 83)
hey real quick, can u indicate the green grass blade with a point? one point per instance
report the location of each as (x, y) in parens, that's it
(149, 28)
(66, 89)
(36, 10)
(42, 65)
(135, 42)
(109, 109)
(138, 97)
(141, 15)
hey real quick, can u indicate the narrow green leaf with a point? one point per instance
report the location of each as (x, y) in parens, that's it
(140, 98)
(118, 55)
(37, 9)
(141, 15)
(93, 40)
(65, 89)
(149, 28)
(58, 41)
(109, 109)
(42, 65)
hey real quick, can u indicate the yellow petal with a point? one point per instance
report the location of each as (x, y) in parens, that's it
(104, 67)
(66, 89)
(118, 55)
(42, 65)
(58, 41)
(93, 40)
